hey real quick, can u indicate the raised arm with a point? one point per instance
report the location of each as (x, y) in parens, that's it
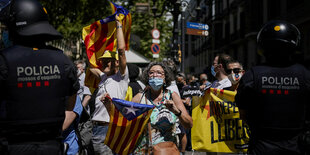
(97, 72)
(121, 43)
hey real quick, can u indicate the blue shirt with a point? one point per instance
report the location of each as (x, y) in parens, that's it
(70, 136)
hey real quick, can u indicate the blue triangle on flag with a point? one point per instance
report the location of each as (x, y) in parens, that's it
(130, 110)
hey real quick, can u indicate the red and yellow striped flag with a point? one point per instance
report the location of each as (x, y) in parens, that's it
(101, 36)
(126, 126)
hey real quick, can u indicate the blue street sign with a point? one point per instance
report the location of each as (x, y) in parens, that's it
(198, 26)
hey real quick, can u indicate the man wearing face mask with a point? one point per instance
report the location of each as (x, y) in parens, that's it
(218, 71)
(235, 72)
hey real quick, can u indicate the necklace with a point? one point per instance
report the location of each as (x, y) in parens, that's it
(160, 103)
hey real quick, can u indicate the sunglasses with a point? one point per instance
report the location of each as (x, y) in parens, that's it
(235, 70)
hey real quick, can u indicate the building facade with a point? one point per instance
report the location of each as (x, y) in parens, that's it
(234, 25)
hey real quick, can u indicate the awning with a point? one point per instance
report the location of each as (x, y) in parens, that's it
(134, 57)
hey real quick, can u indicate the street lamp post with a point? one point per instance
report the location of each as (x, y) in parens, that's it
(185, 5)
(175, 6)
(176, 12)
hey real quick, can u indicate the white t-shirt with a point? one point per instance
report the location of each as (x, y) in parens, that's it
(173, 87)
(221, 84)
(84, 90)
(116, 85)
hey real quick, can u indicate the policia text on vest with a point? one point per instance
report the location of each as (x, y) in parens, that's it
(33, 73)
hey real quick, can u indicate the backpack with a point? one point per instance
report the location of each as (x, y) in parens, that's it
(85, 128)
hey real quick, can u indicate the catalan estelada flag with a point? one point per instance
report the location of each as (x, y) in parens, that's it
(127, 122)
(101, 36)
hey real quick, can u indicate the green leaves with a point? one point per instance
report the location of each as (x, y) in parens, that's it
(70, 16)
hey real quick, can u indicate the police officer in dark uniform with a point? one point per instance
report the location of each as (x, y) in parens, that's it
(38, 83)
(272, 98)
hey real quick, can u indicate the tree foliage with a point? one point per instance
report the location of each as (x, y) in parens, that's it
(143, 23)
(70, 16)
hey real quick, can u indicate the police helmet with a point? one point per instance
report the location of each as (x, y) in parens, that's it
(279, 34)
(27, 18)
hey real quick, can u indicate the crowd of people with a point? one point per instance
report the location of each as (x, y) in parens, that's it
(45, 104)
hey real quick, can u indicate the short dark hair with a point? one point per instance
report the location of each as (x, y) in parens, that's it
(168, 75)
(235, 61)
(172, 66)
(224, 59)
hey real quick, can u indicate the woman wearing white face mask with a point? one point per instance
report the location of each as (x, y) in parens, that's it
(169, 109)
(235, 72)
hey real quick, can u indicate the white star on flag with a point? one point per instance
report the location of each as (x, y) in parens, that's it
(131, 109)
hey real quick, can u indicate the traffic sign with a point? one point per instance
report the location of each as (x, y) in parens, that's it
(155, 33)
(155, 48)
(155, 55)
(198, 26)
(157, 41)
(197, 32)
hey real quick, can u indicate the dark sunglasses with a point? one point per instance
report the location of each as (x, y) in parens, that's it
(235, 70)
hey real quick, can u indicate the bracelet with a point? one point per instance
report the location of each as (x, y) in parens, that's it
(179, 114)
(119, 26)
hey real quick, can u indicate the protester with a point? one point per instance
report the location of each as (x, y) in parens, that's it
(35, 82)
(174, 88)
(168, 110)
(203, 78)
(192, 80)
(183, 86)
(84, 92)
(273, 98)
(235, 72)
(218, 71)
(135, 87)
(70, 137)
(114, 83)
(173, 69)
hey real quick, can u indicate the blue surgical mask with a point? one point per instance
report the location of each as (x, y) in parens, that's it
(6, 40)
(213, 71)
(156, 83)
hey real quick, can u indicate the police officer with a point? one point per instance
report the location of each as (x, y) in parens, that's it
(272, 98)
(38, 83)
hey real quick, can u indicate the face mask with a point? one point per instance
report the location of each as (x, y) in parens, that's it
(5, 39)
(212, 71)
(79, 72)
(234, 78)
(156, 83)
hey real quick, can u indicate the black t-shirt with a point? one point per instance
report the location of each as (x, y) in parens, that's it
(136, 88)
